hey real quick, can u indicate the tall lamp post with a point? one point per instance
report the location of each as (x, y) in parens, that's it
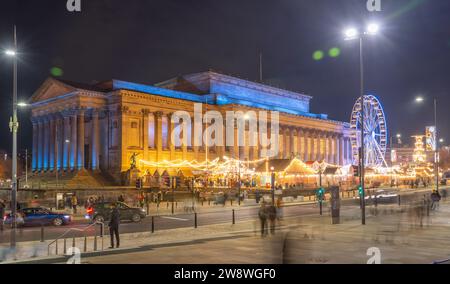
(14, 125)
(436, 139)
(272, 182)
(353, 34)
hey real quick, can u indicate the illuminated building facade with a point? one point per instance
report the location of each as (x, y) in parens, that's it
(99, 127)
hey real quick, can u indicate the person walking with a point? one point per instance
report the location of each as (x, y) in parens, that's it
(121, 199)
(263, 218)
(2, 213)
(74, 202)
(435, 198)
(114, 225)
(272, 216)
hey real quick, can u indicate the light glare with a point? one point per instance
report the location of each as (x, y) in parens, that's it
(373, 29)
(10, 52)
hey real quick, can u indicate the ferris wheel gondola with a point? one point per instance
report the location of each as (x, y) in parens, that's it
(375, 132)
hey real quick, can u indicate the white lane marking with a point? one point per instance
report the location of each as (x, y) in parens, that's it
(174, 218)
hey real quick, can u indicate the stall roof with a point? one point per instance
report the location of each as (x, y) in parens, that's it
(294, 166)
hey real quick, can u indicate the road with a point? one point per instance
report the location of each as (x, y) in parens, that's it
(180, 220)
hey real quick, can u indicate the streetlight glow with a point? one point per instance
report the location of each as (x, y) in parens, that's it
(419, 99)
(441, 140)
(22, 104)
(10, 52)
(399, 136)
(373, 29)
(351, 33)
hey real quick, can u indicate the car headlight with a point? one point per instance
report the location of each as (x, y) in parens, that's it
(66, 216)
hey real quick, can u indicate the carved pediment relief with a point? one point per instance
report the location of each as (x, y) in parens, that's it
(51, 88)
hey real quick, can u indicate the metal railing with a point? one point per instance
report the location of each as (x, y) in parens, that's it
(84, 230)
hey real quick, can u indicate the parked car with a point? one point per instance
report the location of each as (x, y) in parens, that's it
(101, 212)
(38, 216)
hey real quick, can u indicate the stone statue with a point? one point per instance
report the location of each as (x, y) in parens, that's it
(133, 160)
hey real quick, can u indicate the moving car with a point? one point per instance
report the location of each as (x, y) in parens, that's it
(382, 196)
(38, 216)
(101, 212)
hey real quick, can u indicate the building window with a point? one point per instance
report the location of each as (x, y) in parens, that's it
(134, 124)
(151, 131)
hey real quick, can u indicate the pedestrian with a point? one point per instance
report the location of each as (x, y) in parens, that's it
(114, 225)
(435, 198)
(272, 216)
(74, 202)
(121, 199)
(263, 218)
(2, 213)
(279, 208)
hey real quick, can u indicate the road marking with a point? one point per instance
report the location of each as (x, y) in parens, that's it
(174, 218)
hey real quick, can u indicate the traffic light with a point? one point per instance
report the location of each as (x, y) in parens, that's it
(360, 190)
(138, 183)
(356, 171)
(320, 193)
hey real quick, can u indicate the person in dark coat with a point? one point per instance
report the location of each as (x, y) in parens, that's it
(272, 216)
(2, 213)
(114, 225)
(121, 199)
(262, 214)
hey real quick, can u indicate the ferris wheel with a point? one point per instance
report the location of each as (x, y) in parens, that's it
(375, 132)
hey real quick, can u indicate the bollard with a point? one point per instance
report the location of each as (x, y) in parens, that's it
(95, 242)
(195, 220)
(233, 218)
(42, 234)
(148, 208)
(202, 202)
(65, 247)
(56, 247)
(73, 242)
(399, 202)
(85, 243)
(231, 201)
(167, 203)
(209, 202)
(153, 224)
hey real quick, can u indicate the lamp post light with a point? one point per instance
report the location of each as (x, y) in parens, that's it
(353, 34)
(14, 125)
(272, 182)
(421, 99)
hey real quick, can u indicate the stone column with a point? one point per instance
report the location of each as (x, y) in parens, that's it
(59, 144)
(46, 143)
(95, 141)
(67, 141)
(145, 125)
(52, 135)
(341, 151)
(170, 128)
(34, 162)
(330, 144)
(80, 139)
(292, 146)
(40, 166)
(158, 135)
(73, 141)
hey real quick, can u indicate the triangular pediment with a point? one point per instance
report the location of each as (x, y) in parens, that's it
(51, 88)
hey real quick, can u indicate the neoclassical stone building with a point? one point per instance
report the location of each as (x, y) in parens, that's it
(99, 127)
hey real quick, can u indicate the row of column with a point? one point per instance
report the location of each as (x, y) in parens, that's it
(59, 141)
(307, 144)
(315, 145)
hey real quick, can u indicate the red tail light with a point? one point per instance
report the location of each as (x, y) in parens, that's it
(89, 210)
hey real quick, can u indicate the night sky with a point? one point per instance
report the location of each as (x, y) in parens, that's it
(150, 41)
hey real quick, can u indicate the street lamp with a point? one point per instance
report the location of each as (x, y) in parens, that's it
(353, 34)
(14, 125)
(421, 99)
(272, 182)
